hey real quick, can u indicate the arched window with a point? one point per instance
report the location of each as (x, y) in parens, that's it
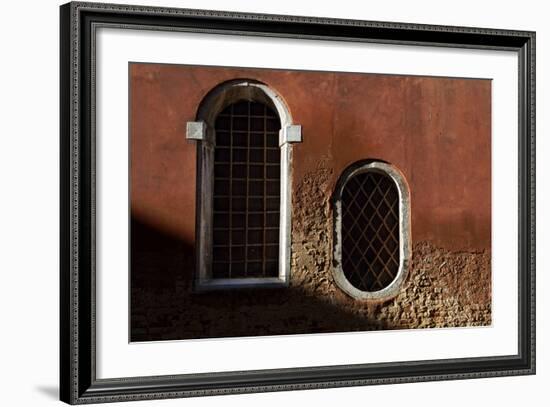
(372, 230)
(244, 132)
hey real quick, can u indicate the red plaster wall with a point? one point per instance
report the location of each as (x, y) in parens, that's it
(437, 131)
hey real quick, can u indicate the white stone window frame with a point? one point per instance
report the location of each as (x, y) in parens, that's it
(405, 248)
(202, 130)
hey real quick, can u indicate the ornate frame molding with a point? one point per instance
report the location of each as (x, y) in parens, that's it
(78, 381)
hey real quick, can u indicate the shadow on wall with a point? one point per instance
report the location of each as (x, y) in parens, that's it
(163, 306)
(157, 257)
(444, 289)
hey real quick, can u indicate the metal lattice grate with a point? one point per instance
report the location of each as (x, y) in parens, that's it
(246, 192)
(370, 231)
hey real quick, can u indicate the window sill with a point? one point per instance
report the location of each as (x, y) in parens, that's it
(240, 283)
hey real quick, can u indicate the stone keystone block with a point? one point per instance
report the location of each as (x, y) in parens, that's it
(290, 134)
(196, 131)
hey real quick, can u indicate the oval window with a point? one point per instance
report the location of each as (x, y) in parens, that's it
(372, 236)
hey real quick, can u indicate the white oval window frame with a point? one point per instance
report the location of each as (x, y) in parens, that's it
(405, 248)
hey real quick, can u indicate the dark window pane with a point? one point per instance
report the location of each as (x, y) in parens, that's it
(255, 236)
(239, 155)
(256, 220)
(238, 205)
(240, 123)
(272, 252)
(239, 171)
(220, 221)
(257, 124)
(256, 171)
(240, 108)
(237, 253)
(223, 123)
(221, 253)
(272, 268)
(254, 253)
(238, 221)
(272, 139)
(273, 172)
(273, 187)
(245, 235)
(221, 187)
(221, 170)
(221, 154)
(239, 139)
(221, 204)
(238, 188)
(238, 269)
(256, 155)
(273, 155)
(223, 138)
(237, 237)
(255, 269)
(257, 158)
(272, 204)
(273, 124)
(220, 270)
(256, 204)
(256, 188)
(272, 219)
(272, 236)
(257, 140)
(257, 109)
(221, 237)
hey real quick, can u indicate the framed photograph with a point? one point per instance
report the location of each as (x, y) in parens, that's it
(255, 203)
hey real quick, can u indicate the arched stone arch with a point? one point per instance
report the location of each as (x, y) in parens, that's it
(232, 91)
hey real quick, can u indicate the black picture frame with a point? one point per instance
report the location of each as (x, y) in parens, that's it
(78, 382)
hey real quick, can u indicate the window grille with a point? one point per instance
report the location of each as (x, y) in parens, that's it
(370, 231)
(246, 192)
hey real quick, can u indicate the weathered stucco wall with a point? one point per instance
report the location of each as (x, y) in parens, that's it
(435, 130)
